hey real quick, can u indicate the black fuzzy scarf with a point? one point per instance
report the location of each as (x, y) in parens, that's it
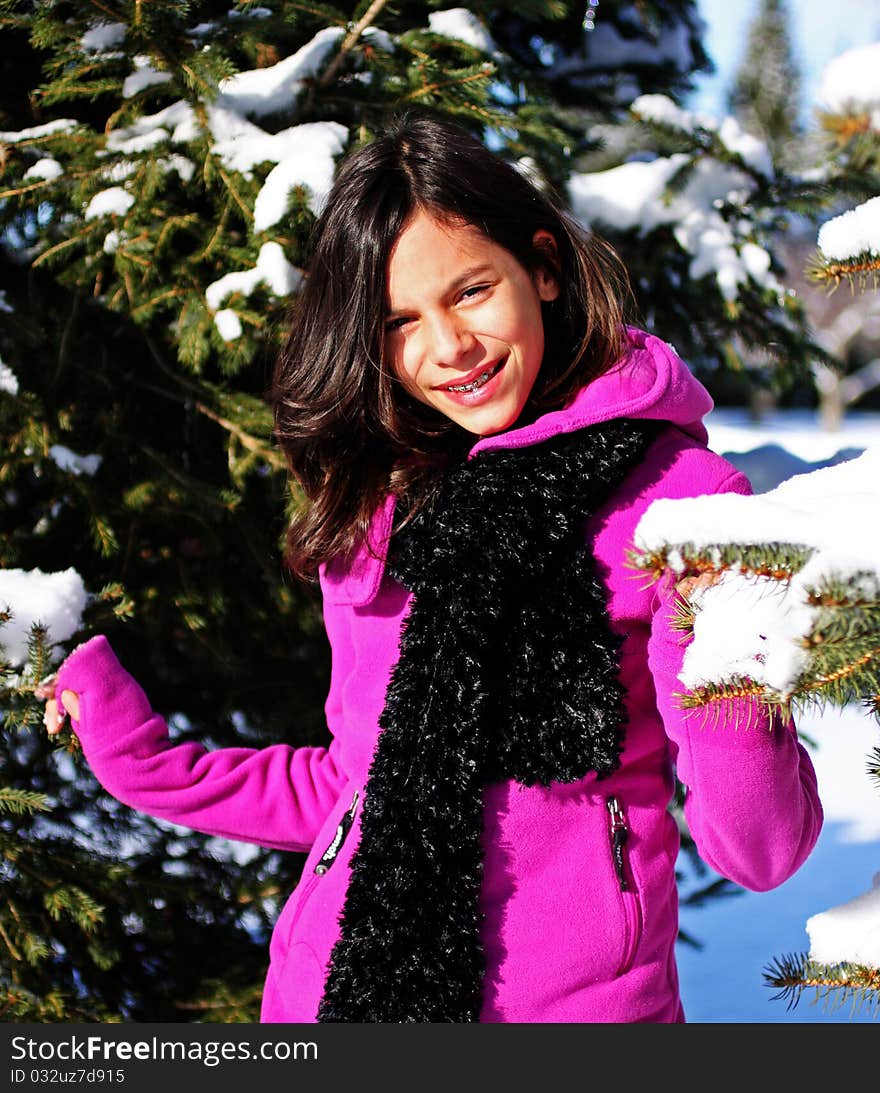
(508, 669)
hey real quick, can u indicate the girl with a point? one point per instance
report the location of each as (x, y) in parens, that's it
(477, 435)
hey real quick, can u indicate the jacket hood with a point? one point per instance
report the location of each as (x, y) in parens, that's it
(650, 382)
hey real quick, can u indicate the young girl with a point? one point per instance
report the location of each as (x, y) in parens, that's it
(477, 434)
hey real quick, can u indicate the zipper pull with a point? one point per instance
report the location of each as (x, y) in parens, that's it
(329, 855)
(619, 835)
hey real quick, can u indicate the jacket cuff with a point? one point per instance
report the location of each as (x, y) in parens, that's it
(110, 699)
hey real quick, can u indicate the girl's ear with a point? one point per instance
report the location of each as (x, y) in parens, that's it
(546, 276)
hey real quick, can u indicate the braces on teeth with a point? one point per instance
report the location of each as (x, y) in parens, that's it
(478, 382)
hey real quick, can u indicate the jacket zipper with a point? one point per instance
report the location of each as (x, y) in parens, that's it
(325, 861)
(329, 855)
(632, 913)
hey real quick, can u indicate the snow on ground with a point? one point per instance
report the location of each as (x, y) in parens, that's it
(797, 432)
(742, 935)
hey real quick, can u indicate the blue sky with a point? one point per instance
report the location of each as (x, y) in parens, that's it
(821, 29)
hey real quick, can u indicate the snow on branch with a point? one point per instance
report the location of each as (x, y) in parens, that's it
(272, 272)
(795, 609)
(635, 196)
(849, 933)
(32, 598)
(849, 245)
(850, 84)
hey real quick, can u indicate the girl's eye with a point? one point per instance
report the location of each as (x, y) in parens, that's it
(474, 290)
(395, 324)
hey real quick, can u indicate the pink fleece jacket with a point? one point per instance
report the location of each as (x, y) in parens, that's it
(571, 931)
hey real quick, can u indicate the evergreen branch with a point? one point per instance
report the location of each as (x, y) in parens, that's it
(7, 941)
(322, 13)
(845, 127)
(778, 561)
(123, 607)
(18, 191)
(683, 615)
(208, 90)
(794, 973)
(836, 592)
(857, 270)
(22, 801)
(252, 443)
(207, 250)
(845, 672)
(719, 887)
(132, 256)
(72, 241)
(77, 904)
(239, 200)
(711, 698)
(350, 40)
(438, 85)
(129, 289)
(713, 693)
(227, 1003)
(147, 304)
(116, 16)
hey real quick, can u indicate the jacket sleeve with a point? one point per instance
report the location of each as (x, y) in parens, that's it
(752, 804)
(277, 796)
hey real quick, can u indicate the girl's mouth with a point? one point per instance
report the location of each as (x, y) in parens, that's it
(479, 382)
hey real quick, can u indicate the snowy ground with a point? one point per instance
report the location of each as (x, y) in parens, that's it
(724, 981)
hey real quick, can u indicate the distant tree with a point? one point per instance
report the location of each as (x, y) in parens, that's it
(766, 92)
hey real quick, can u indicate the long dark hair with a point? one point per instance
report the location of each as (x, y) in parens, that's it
(349, 430)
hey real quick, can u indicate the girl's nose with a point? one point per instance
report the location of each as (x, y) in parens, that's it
(448, 339)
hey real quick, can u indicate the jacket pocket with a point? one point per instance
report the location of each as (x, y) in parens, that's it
(326, 860)
(618, 830)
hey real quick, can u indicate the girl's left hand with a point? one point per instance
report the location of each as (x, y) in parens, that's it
(687, 587)
(53, 718)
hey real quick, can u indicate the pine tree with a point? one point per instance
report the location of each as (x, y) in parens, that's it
(766, 92)
(162, 166)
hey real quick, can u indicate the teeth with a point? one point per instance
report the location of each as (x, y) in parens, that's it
(478, 382)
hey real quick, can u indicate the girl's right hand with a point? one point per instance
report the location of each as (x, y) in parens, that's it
(53, 718)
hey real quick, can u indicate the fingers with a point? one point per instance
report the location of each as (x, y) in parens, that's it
(46, 687)
(691, 585)
(53, 717)
(70, 701)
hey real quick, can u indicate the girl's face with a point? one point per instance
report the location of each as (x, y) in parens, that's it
(463, 330)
